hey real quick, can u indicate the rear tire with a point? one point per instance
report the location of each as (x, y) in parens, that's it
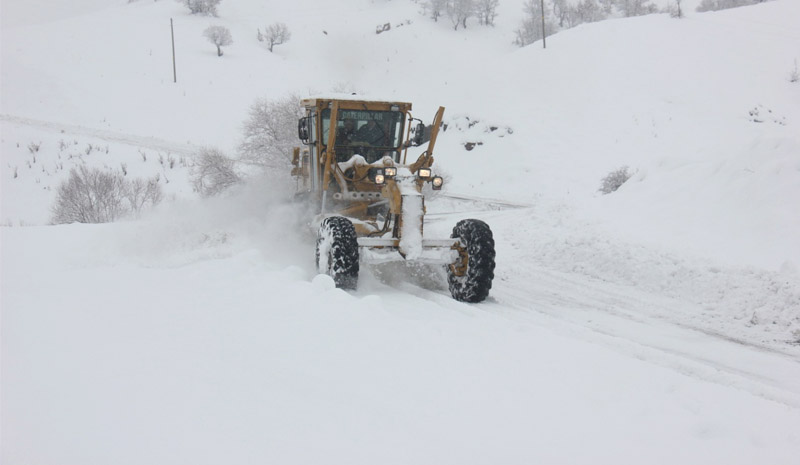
(337, 251)
(470, 278)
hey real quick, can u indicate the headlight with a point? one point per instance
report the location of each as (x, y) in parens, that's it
(424, 173)
(376, 175)
(390, 172)
(437, 182)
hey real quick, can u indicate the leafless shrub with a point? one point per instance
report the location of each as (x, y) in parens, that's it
(614, 180)
(34, 147)
(794, 74)
(91, 195)
(201, 7)
(270, 132)
(141, 193)
(213, 172)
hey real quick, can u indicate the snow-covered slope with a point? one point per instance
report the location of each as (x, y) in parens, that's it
(619, 326)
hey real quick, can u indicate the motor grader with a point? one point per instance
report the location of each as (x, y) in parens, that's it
(368, 202)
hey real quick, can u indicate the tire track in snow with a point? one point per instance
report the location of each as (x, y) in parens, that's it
(606, 319)
(758, 371)
(655, 329)
(106, 135)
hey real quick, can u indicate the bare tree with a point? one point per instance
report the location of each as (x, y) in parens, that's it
(202, 7)
(677, 12)
(486, 10)
(213, 172)
(588, 11)
(435, 8)
(636, 7)
(563, 12)
(270, 132)
(91, 195)
(459, 11)
(219, 36)
(275, 34)
(530, 30)
(714, 5)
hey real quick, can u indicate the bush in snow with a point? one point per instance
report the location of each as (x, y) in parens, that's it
(91, 195)
(141, 193)
(270, 132)
(219, 36)
(202, 7)
(275, 34)
(213, 172)
(614, 180)
(794, 74)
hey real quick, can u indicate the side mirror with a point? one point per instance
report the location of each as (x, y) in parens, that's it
(303, 132)
(419, 134)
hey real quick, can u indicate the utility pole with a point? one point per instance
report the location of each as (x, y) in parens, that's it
(174, 70)
(544, 33)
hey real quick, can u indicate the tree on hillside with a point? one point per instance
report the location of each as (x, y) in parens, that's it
(530, 30)
(572, 13)
(459, 11)
(202, 7)
(675, 9)
(219, 36)
(588, 11)
(486, 10)
(636, 7)
(213, 172)
(714, 5)
(435, 8)
(270, 132)
(275, 34)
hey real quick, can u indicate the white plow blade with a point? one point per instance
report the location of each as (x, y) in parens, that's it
(434, 251)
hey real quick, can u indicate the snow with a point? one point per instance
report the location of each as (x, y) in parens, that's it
(656, 324)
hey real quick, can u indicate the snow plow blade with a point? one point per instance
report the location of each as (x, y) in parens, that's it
(374, 250)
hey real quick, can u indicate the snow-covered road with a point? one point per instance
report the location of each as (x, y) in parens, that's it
(190, 338)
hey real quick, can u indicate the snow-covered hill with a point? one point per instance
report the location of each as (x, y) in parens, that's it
(656, 324)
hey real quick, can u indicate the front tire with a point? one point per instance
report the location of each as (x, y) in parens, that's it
(337, 251)
(470, 277)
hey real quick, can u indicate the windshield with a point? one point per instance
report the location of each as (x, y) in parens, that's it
(362, 131)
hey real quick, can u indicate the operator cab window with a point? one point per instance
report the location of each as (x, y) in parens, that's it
(371, 134)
